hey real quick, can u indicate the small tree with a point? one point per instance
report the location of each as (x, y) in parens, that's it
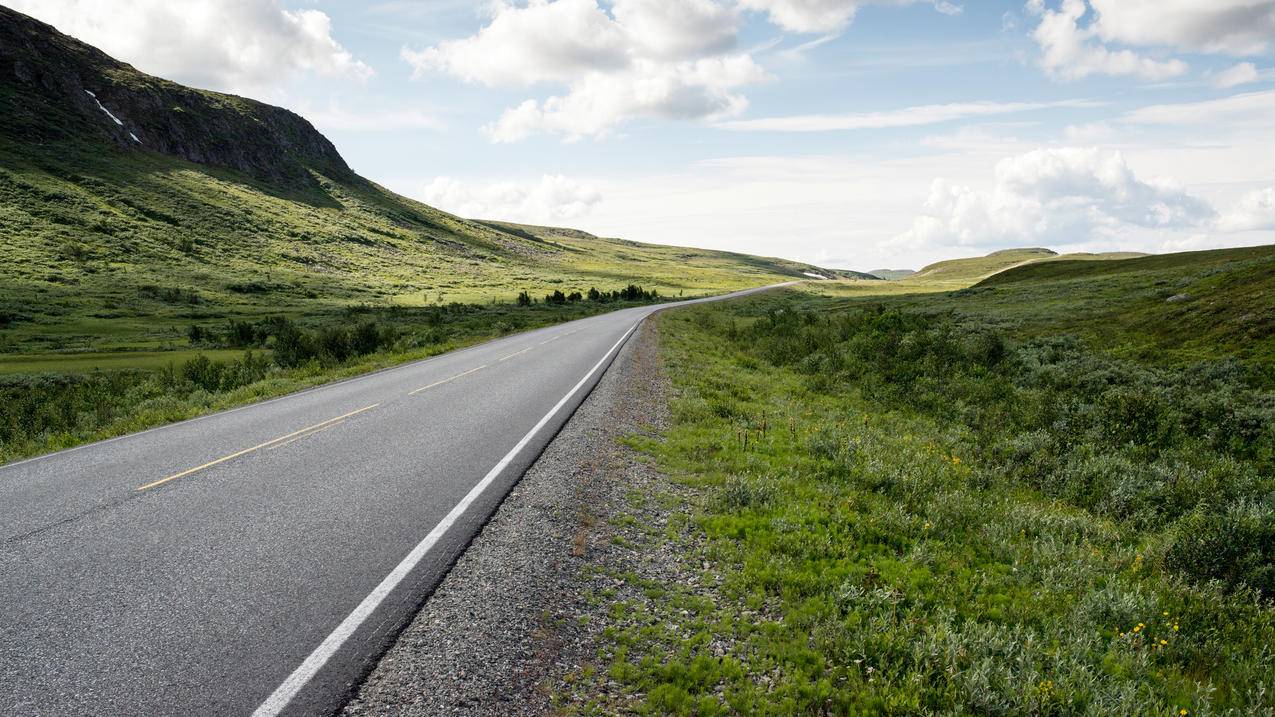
(524, 299)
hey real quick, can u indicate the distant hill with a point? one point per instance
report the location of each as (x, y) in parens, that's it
(892, 274)
(978, 268)
(131, 206)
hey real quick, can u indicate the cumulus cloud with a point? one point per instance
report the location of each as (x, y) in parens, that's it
(1231, 27)
(1071, 51)
(242, 46)
(1254, 212)
(1061, 196)
(621, 60)
(647, 58)
(1074, 39)
(700, 89)
(554, 198)
(1240, 74)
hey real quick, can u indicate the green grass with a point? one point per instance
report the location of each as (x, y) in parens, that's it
(1120, 307)
(87, 362)
(968, 271)
(963, 504)
(65, 400)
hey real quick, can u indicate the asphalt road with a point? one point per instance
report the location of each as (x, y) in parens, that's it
(261, 559)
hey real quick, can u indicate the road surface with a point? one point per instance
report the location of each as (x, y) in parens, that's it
(260, 560)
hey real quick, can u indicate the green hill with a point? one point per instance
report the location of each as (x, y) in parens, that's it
(132, 207)
(977, 268)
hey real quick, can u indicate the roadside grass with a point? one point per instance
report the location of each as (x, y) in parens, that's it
(66, 400)
(902, 511)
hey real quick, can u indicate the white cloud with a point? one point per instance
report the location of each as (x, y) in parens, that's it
(649, 58)
(676, 30)
(807, 16)
(907, 117)
(1254, 212)
(554, 198)
(245, 46)
(1054, 196)
(1070, 51)
(1074, 38)
(1231, 27)
(828, 16)
(620, 60)
(699, 89)
(1241, 74)
(543, 42)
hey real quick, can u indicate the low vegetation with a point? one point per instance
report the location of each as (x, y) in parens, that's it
(915, 504)
(238, 361)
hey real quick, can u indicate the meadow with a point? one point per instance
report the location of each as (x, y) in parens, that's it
(51, 403)
(1044, 494)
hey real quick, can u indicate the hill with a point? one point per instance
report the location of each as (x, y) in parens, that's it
(133, 206)
(892, 274)
(977, 268)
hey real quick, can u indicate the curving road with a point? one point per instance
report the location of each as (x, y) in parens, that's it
(261, 559)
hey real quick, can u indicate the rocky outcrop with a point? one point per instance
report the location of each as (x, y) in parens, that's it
(59, 90)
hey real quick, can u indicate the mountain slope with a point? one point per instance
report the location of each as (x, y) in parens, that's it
(136, 209)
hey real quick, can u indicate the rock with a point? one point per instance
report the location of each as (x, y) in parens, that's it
(1178, 298)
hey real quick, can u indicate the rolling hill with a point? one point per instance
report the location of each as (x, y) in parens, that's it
(131, 205)
(978, 268)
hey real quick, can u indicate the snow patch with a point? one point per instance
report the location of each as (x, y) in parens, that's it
(108, 112)
(135, 139)
(816, 276)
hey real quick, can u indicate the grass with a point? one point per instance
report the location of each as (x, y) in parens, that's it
(58, 402)
(913, 504)
(89, 362)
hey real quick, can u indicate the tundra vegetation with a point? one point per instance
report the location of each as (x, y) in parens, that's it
(1051, 493)
(228, 363)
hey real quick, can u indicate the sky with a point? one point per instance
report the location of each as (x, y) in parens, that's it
(851, 134)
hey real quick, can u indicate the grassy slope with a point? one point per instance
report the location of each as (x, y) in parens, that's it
(1119, 306)
(953, 272)
(122, 249)
(110, 244)
(907, 527)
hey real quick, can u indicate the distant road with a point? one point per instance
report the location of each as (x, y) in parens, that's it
(261, 559)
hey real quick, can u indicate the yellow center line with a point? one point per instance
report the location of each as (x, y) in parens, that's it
(307, 434)
(506, 358)
(267, 444)
(446, 380)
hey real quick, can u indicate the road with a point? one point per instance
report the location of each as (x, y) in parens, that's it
(260, 560)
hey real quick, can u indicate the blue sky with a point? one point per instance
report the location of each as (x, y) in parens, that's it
(866, 135)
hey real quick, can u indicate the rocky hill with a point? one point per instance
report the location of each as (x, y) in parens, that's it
(62, 91)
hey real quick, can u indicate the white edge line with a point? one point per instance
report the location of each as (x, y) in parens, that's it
(300, 677)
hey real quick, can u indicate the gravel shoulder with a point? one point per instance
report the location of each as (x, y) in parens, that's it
(516, 626)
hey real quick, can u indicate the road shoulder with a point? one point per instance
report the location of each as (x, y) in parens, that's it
(519, 617)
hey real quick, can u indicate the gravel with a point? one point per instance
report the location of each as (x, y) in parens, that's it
(508, 630)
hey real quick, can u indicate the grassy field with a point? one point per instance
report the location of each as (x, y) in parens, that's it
(968, 503)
